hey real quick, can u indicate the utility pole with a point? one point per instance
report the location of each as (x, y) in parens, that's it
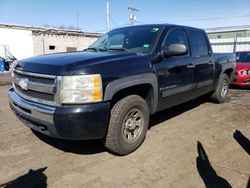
(133, 12)
(107, 15)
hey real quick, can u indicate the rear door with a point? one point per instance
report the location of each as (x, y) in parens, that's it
(176, 74)
(203, 61)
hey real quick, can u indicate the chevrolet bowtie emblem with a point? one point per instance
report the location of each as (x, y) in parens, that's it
(23, 83)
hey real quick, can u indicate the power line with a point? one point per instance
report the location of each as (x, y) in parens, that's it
(113, 21)
(102, 17)
(190, 2)
(201, 19)
(117, 26)
(218, 18)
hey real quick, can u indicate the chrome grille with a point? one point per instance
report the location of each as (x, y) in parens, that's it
(35, 94)
(39, 88)
(35, 79)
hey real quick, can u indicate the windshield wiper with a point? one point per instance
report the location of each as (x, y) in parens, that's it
(106, 49)
(91, 48)
(118, 49)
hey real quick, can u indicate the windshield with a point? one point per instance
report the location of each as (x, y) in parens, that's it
(140, 39)
(243, 57)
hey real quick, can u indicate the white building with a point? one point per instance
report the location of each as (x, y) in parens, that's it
(25, 41)
(229, 39)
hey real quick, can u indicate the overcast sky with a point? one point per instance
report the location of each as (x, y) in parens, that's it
(91, 14)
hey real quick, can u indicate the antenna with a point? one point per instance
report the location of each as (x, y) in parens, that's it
(107, 15)
(133, 12)
(77, 20)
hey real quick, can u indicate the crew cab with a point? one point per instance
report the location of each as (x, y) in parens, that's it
(109, 90)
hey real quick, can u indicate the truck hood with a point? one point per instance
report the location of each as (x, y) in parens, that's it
(63, 63)
(242, 66)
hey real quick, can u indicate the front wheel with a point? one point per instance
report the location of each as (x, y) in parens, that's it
(128, 125)
(220, 94)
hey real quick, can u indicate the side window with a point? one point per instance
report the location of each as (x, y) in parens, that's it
(175, 36)
(198, 43)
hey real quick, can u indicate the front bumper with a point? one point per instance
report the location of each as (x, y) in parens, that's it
(75, 122)
(241, 80)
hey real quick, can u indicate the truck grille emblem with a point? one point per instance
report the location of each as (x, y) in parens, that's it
(23, 82)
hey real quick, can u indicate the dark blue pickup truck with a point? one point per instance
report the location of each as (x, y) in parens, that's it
(109, 90)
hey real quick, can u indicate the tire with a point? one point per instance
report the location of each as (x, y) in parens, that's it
(220, 94)
(128, 125)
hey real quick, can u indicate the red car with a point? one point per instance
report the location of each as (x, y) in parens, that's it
(242, 70)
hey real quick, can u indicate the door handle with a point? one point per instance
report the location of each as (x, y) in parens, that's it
(191, 66)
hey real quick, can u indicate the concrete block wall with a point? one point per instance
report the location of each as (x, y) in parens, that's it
(42, 43)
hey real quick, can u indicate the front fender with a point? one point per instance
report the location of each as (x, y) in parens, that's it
(123, 83)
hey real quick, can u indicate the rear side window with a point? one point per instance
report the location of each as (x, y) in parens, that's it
(198, 43)
(176, 36)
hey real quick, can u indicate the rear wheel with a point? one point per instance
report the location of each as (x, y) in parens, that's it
(128, 125)
(220, 94)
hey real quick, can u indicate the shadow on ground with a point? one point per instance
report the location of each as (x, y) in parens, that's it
(206, 171)
(248, 184)
(73, 146)
(34, 178)
(242, 140)
(172, 112)
(239, 87)
(245, 144)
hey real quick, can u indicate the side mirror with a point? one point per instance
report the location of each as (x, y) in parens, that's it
(175, 50)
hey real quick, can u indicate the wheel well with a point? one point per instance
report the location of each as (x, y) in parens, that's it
(229, 73)
(143, 90)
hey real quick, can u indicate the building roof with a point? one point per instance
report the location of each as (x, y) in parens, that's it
(51, 30)
(227, 29)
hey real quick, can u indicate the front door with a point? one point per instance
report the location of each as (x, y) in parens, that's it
(176, 74)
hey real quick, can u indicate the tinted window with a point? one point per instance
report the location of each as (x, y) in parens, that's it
(199, 44)
(175, 36)
(243, 57)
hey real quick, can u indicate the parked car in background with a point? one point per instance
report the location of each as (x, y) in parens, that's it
(242, 70)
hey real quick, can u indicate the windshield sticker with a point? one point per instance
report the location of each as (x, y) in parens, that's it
(155, 29)
(145, 45)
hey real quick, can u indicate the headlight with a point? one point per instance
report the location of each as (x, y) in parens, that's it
(81, 89)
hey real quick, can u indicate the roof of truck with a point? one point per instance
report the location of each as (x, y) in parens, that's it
(160, 25)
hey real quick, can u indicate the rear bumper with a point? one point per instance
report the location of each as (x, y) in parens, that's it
(78, 122)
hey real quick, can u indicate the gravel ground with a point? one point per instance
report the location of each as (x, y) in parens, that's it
(191, 145)
(5, 78)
